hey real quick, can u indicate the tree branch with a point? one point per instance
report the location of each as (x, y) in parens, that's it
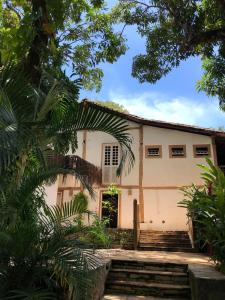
(148, 6)
(205, 37)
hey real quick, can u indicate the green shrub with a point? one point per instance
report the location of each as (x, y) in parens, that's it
(206, 206)
(97, 233)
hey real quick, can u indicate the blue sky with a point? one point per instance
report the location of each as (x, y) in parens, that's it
(173, 98)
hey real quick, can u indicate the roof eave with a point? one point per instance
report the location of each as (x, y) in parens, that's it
(159, 124)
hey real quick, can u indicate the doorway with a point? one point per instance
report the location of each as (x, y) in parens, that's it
(220, 150)
(110, 210)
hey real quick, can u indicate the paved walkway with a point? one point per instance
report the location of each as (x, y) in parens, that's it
(161, 256)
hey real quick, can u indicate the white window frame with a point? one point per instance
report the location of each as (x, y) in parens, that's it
(111, 167)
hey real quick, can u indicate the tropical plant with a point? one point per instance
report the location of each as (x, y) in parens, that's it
(39, 258)
(97, 233)
(206, 206)
(36, 124)
(82, 198)
(108, 204)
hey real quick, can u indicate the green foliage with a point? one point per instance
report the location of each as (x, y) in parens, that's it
(81, 199)
(213, 79)
(112, 190)
(97, 233)
(207, 207)
(39, 259)
(33, 119)
(80, 34)
(174, 31)
(113, 105)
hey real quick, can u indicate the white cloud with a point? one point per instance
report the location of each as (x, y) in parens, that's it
(184, 110)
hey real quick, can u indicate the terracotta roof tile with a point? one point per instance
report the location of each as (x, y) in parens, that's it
(160, 124)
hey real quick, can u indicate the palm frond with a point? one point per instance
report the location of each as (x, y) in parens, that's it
(68, 209)
(31, 118)
(83, 116)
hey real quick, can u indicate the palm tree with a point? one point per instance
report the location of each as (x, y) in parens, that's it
(39, 258)
(37, 127)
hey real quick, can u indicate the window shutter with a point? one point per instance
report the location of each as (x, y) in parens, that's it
(106, 175)
(110, 163)
(115, 163)
(114, 178)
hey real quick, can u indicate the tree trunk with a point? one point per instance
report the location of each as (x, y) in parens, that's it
(40, 42)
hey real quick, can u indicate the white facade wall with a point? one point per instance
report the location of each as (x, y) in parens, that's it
(162, 177)
(168, 171)
(51, 193)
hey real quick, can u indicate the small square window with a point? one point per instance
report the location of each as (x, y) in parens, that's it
(201, 150)
(153, 151)
(177, 151)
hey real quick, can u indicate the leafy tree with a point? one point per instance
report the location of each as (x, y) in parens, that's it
(59, 33)
(176, 30)
(221, 128)
(213, 79)
(39, 118)
(113, 105)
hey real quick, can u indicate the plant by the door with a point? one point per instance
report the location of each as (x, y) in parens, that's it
(112, 192)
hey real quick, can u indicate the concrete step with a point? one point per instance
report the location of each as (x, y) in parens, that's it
(169, 236)
(147, 289)
(165, 243)
(168, 277)
(164, 232)
(150, 247)
(148, 265)
(175, 241)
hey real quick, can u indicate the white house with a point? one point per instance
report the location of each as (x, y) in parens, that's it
(166, 155)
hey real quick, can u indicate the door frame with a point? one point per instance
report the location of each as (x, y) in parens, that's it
(119, 213)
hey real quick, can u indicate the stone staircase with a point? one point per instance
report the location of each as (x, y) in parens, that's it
(158, 279)
(165, 241)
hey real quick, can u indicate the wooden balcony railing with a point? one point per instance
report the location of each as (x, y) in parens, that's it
(85, 169)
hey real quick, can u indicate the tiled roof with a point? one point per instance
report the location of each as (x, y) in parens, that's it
(159, 124)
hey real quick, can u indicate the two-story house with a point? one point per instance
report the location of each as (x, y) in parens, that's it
(166, 158)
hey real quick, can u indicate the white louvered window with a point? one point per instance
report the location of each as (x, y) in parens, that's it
(201, 150)
(110, 163)
(107, 159)
(177, 151)
(153, 151)
(115, 155)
